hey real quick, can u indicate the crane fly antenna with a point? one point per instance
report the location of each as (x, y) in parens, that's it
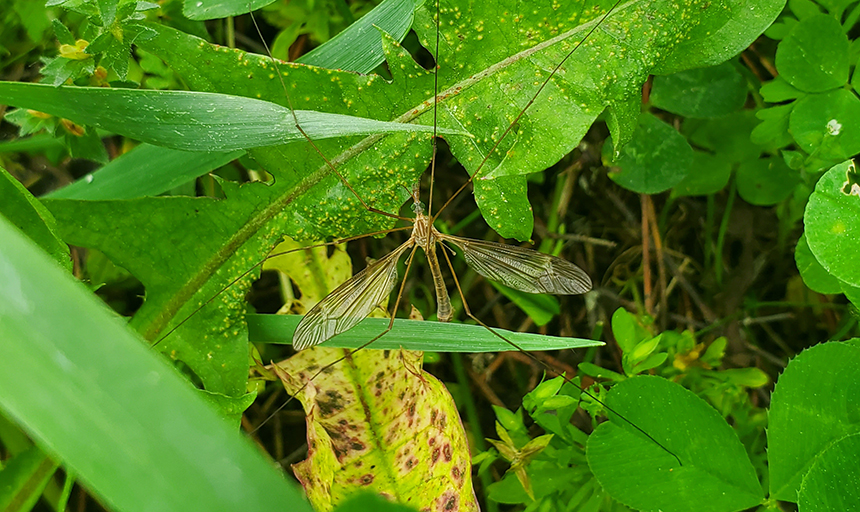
(436, 69)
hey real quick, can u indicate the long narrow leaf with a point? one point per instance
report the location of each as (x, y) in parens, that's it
(415, 335)
(191, 120)
(359, 47)
(144, 171)
(94, 395)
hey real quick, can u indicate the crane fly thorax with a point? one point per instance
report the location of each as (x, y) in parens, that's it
(423, 232)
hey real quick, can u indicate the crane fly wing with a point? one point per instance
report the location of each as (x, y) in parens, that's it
(349, 303)
(523, 269)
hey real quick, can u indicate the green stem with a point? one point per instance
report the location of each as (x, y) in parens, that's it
(721, 236)
(231, 32)
(709, 230)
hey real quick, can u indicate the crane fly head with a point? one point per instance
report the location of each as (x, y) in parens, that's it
(417, 205)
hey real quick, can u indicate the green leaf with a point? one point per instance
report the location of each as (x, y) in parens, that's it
(144, 171)
(215, 9)
(64, 36)
(709, 174)
(415, 335)
(701, 93)
(716, 38)
(627, 330)
(377, 421)
(831, 483)
(359, 47)
(727, 136)
(508, 420)
(812, 406)
(599, 372)
(716, 474)
(540, 308)
(814, 55)
(827, 125)
(85, 387)
(766, 181)
(190, 120)
(831, 222)
(545, 390)
(778, 90)
(23, 478)
(658, 158)
(773, 131)
(29, 215)
(813, 274)
(804, 8)
(546, 478)
(87, 145)
(852, 293)
(213, 342)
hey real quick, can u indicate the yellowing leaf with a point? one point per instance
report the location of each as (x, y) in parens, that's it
(378, 422)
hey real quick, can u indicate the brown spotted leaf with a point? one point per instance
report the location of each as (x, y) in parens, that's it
(376, 421)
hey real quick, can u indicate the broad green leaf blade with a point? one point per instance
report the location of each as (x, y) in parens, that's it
(716, 474)
(773, 131)
(814, 56)
(827, 124)
(710, 174)
(716, 39)
(175, 264)
(815, 403)
(701, 93)
(190, 120)
(23, 478)
(656, 160)
(831, 484)
(766, 181)
(813, 274)
(378, 421)
(415, 335)
(29, 215)
(144, 171)
(778, 90)
(831, 223)
(88, 390)
(727, 136)
(359, 47)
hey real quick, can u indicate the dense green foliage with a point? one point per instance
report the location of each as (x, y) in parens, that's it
(706, 181)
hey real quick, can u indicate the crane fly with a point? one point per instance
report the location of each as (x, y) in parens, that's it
(516, 267)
